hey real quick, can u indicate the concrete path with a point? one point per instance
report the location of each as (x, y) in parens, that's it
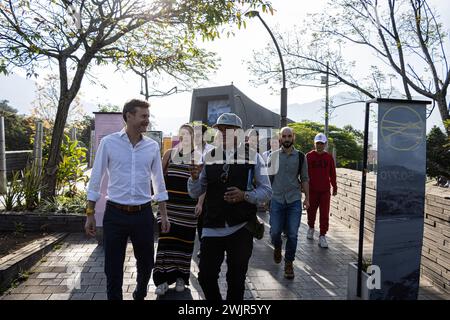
(319, 273)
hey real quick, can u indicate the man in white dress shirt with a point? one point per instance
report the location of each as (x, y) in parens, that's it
(133, 163)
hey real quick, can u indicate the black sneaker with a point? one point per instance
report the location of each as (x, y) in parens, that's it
(277, 255)
(289, 270)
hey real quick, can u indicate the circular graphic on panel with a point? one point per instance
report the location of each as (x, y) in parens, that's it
(402, 128)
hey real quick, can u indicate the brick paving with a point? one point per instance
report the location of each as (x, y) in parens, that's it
(320, 274)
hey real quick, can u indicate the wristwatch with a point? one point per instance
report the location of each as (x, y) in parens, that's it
(246, 196)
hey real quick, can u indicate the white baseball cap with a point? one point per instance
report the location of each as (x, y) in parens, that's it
(320, 137)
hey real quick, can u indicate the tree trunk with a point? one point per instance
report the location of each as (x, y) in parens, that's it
(66, 96)
(54, 157)
(443, 110)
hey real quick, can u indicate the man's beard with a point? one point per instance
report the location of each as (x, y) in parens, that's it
(287, 144)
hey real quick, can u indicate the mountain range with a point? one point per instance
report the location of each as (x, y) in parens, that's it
(20, 92)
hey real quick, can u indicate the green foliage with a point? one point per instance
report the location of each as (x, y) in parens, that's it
(71, 166)
(19, 229)
(447, 124)
(64, 204)
(22, 276)
(84, 128)
(70, 169)
(345, 141)
(18, 128)
(14, 194)
(109, 108)
(31, 186)
(438, 153)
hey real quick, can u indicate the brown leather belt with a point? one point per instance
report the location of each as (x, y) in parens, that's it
(129, 209)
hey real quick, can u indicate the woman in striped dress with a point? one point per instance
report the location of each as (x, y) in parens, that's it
(174, 253)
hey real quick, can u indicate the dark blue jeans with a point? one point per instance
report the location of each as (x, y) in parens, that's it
(285, 217)
(118, 226)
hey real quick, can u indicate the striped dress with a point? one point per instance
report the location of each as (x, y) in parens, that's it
(174, 253)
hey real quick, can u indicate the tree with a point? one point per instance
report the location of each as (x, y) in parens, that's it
(45, 106)
(40, 33)
(359, 135)
(109, 108)
(18, 128)
(438, 154)
(349, 151)
(84, 128)
(406, 36)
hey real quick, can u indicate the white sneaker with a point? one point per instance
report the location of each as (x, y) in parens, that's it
(179, 286)
(323, 242)
(310, 234)
(162, 289)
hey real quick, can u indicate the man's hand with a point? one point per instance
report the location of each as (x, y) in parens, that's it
(306, 204)
(198, 209)
(195, 170)
(89, 226)
(335, 192)
(233, 195)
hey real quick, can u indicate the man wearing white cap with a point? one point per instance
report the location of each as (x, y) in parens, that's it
(322, 174)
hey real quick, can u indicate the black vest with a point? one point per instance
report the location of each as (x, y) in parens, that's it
(218, 211)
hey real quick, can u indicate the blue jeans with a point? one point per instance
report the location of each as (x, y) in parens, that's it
(285, 217)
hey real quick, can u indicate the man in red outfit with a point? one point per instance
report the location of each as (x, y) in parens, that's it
(322, 174)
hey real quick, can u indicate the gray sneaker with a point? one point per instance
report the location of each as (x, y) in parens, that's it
(323, 242)
(162, 289)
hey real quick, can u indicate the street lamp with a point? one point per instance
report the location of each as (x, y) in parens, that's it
(325, 81)
(243, 107)
(283, 111)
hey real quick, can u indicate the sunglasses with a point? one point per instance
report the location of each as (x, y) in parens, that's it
(224, 175)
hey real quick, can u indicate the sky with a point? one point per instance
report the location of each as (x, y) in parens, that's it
(172, 111)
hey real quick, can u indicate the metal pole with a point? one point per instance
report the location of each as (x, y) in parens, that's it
(363, 200)
(283, 118)
(38, 139)
(3, 181)
(73, 134)
(283, 108)
(91, 149)
(147, 96)
(326, 100)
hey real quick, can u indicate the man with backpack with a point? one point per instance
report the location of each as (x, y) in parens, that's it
(288, 171)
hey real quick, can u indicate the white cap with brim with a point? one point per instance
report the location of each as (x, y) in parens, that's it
(229, 119)
(320, 137)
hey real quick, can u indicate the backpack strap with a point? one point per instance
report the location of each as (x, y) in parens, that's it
(301, 158)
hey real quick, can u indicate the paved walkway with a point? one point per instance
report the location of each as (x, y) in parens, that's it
(319, 273)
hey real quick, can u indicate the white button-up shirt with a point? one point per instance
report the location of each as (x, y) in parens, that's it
(131, 170)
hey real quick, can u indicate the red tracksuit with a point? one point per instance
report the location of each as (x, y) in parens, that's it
(322, 174)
